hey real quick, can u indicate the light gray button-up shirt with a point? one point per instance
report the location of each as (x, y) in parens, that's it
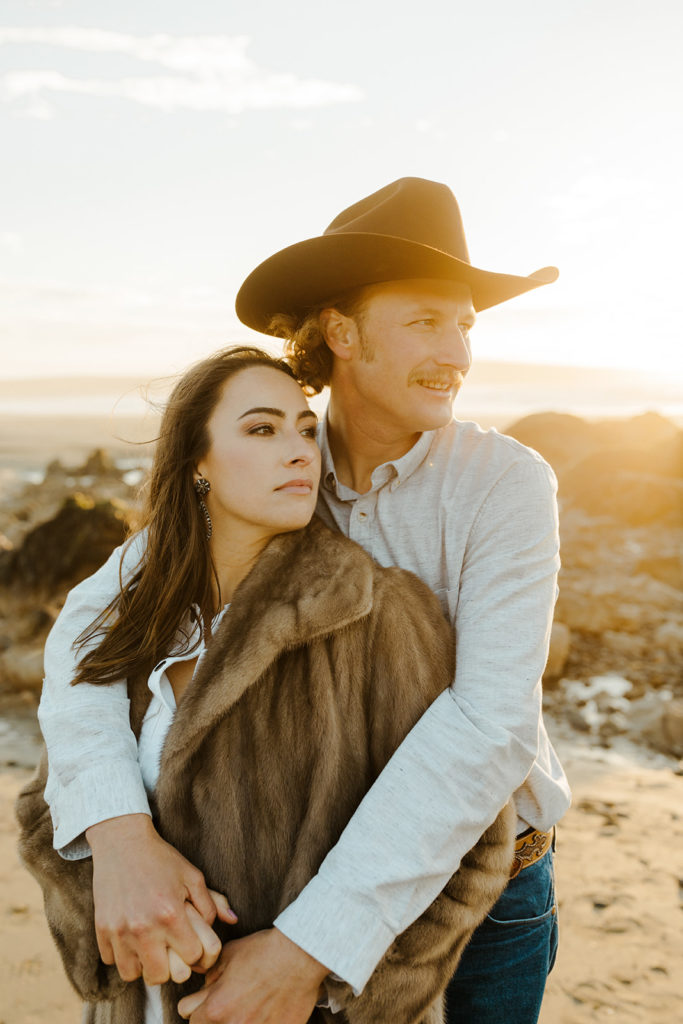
(473, 513)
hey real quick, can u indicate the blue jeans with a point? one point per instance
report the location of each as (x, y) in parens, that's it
(503, 971)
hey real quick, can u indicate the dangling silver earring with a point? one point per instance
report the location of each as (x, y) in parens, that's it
(202, 487)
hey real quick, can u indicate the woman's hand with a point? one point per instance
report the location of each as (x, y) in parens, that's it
(143, 891)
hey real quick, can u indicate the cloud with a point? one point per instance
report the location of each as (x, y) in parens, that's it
(207, 73)
(594, 193)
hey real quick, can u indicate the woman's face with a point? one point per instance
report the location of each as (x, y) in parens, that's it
(263, 463)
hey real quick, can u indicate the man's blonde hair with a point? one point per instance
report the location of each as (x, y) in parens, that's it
(306, 349)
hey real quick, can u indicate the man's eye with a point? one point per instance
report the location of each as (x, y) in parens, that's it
(426, 322)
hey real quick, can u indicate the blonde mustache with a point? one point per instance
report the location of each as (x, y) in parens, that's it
(451, 379)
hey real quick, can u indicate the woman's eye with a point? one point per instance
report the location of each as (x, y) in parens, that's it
(309, 432)
(263, 429)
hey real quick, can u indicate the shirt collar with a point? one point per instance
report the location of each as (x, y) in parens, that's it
(158, 682)
(394, 472)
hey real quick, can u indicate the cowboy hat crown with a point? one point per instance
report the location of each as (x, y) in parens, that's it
(409, 229)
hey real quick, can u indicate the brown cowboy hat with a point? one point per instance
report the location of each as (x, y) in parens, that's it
(409, 229)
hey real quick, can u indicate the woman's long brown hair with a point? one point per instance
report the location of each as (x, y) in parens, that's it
(176, 572)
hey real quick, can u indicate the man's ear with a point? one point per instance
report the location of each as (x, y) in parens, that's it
(339, 332)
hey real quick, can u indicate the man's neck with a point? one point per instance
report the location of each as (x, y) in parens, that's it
(359, 445)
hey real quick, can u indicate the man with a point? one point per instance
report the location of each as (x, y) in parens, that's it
(380, 307)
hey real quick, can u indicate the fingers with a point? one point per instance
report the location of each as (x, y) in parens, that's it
(211, 944)
(115, 950)
(179, 970)
(188, 1005)
(130, 968)
(104, 945)
(199, 895)
(149, 961)
(192, 945)
(174, 966)
(181, 936)
(224, 911)
(139, 953)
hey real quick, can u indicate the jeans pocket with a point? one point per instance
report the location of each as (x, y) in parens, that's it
(522, 922)
(529, 899)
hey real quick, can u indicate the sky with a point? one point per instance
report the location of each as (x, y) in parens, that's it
(154, 152)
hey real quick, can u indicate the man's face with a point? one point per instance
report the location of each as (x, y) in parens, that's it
(411, 353)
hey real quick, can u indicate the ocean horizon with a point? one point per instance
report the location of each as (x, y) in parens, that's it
(495, 394)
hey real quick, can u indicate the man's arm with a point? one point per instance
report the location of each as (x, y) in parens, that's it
(454, 771)
(141, 884)
(466, 756)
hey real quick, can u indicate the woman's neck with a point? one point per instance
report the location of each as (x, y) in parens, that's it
(234, 557)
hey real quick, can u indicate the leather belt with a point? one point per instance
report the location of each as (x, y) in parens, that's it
(529, 848)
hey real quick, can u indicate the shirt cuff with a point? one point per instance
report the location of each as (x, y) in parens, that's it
(337, 929)
(102, 792)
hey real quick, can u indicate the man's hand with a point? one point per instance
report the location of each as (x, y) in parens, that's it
(262, 979)
(143, 889)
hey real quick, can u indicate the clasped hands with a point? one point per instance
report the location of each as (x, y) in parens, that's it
(153, 917)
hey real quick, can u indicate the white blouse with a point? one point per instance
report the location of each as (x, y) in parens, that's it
(155, 726)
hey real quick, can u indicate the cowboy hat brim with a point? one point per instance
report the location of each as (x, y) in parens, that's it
(320, 269)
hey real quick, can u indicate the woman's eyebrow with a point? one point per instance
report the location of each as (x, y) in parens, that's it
(263, 408)
(277, 412)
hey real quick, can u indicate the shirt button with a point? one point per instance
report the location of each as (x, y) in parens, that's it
(362, 515)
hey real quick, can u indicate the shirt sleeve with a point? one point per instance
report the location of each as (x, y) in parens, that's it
(93, 770)
(468, 753)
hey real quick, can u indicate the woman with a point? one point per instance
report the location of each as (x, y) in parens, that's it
(278, 667)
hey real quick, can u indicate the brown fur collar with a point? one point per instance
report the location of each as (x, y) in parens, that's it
(306, 585)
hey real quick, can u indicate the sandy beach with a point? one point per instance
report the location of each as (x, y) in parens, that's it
(619, 863)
